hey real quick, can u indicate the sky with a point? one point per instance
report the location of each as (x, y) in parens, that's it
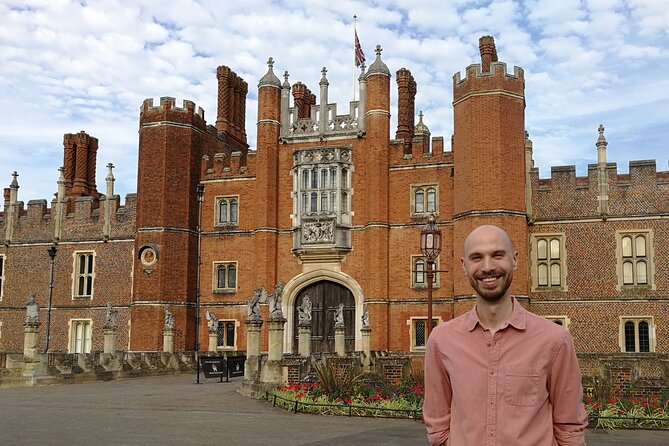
(67, 66)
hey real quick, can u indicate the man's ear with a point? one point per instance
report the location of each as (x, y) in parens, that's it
(515, 259)
(462, 262)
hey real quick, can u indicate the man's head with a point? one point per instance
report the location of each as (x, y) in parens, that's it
(489, 260)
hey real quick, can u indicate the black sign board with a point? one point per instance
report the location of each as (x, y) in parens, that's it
(236, 366)
(214, 366)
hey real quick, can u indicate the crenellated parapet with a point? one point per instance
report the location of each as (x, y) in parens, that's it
(564, 195)
(168, 112)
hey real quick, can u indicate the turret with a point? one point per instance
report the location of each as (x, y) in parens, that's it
(489, 154)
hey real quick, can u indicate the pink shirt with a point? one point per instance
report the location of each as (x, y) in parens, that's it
(520, 387)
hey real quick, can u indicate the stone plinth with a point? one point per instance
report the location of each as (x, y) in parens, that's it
(213, 341)
(30, 339)
(168, 340)
(340, 340)
(110, 340)
(366, 343)
(273, 370)
(304, 340)
(252, 348)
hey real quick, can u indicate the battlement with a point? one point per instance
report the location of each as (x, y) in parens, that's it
(168, 111)
(564, 195)
(497, 69)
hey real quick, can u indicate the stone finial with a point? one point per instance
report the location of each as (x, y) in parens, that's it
(324, 79)
(378, 67)
(362, 72)
(602, 139)
(110, 173)
(269, 79)
(15, 183)
(421, 128)
(528, 141)
(286, 84)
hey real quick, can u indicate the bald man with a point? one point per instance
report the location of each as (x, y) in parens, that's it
(500, 375)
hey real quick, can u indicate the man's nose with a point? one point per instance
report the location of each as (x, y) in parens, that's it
(488, 264)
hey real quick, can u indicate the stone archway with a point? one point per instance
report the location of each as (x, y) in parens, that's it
(293, 288)
(326, 296)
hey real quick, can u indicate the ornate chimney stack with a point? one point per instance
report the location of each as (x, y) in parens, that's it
(406, 103)
(488, 52)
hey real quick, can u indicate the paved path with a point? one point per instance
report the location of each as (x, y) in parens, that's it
(172, 410)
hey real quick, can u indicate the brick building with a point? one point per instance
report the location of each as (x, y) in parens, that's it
(332, 205)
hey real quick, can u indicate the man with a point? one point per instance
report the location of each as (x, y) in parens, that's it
(500, 375)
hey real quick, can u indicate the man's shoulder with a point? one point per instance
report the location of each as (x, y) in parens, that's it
(458, 324)
(546, 327)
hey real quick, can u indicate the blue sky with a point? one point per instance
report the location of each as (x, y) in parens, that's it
(67, 66)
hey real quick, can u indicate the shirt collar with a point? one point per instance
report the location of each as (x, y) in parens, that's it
(517, 320)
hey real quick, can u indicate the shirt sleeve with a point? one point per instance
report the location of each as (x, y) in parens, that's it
(566, 395)
(438, 395)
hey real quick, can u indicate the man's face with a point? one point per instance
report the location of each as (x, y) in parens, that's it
(489, 260)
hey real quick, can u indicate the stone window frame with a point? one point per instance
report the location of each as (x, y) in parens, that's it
(424, 188)
(548, 262)
(648, 235)
(72, 341)
(229, 199)
(636, 320)
(77, 275)
(216, 266)
(564, 321)
(3, 268)
(412, 323)
(225, 347)
(414, 282)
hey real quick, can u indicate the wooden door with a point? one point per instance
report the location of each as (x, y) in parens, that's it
(325, 298)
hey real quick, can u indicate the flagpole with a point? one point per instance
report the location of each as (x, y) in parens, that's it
(355, 18)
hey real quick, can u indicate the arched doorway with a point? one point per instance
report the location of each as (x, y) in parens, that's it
(325, 298)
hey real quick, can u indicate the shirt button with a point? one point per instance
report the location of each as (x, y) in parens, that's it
(489, 344)
(492, 372)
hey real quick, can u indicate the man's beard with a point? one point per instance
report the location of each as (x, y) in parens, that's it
(492, 295)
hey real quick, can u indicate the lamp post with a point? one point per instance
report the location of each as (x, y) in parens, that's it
(200, 199)
(430, 247)
(52, 257)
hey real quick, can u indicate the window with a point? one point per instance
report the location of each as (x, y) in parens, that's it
(2, 274)
(80, 336)
(637, 334)
(419, 272)
(424, 199)
(418, 334)
(83, 274)
(227, 211)
(562, 321)
(225, 276)
(548, 262)
(634, 259)
(226, 334)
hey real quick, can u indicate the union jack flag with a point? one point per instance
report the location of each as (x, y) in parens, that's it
(359, 54)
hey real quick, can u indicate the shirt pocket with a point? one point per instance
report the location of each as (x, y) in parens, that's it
(521, 387)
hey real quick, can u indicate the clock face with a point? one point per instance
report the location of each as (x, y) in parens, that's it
(148, 256)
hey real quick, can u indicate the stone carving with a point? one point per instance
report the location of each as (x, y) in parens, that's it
(318, 232)
(213, 321)
(32, 311)
(365, 319)
(110, 317)
(275, 301)
(304, 311)
(339, 316)
(169, 319)
(259, 295)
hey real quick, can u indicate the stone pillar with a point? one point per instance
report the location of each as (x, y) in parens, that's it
(340, 346)
(273, 370)
(252, 348)
(366, 338)
(30, 338)
(213, 341)
(110, 340)
(304, 340)
(168, 340)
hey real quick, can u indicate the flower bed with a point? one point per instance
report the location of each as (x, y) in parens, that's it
(403, 401)
(649, 413)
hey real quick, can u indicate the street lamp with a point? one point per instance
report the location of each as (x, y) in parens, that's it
(430, 247)
(52, 256)
(200, 199)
